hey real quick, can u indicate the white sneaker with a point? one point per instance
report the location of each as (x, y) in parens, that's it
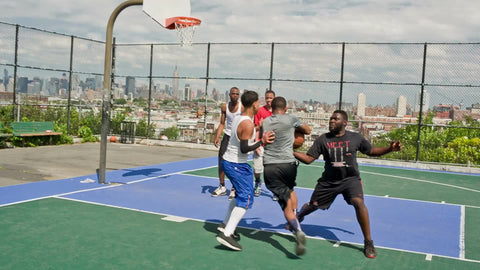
(232, 194)
(220, 191)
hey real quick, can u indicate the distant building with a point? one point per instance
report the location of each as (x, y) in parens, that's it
(445, 111)
(130, 85)
(22, 85)
(187, 92)
(175, 83)
(475, 108)
(426, 101)
(361, 104)
(401, 106)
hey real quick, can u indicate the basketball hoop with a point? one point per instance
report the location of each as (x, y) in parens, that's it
(185, 27)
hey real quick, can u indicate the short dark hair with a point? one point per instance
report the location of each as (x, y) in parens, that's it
(269, 91)
(248, 98)
(343, 113)
(236, 88)
(279, 103)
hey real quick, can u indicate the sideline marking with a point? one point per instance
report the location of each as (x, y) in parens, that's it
(267, 230)
(413, 179)
(175, 218)
(462, 233)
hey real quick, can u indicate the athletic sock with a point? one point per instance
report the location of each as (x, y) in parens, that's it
(305, 210)
(235, 217)
(294, 225)
(231, 205)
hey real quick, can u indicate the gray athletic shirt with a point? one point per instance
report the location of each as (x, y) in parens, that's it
(281, 150)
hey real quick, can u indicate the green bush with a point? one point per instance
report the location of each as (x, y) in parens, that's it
(86, 134)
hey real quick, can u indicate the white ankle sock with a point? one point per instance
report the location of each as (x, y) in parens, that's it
(235, 217)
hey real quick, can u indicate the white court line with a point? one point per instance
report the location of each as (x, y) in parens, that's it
(266, 230)
(424, 181)
(108, 186)
(462, 234)
(413, 179)
(55, 195)
(175, 219)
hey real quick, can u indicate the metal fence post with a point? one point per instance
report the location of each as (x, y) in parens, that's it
(421, 102)
(15, 102)
(206, 95)
(340, 99)
(271, 66)
(70, 85)
(149, 92)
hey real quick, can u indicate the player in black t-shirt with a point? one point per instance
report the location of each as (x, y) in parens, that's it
(341, 176)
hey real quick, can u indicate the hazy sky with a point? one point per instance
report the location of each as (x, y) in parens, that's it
(275, 21)
(264, 20)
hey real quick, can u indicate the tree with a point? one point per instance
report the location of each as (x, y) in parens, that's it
(141, 129)
(172, 133)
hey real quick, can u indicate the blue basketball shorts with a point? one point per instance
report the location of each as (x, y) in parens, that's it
(241, 175)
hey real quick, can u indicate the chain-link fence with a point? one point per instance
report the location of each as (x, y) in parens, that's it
(425, 94)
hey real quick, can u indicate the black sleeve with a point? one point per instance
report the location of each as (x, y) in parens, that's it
(245, 148)
(316, 149)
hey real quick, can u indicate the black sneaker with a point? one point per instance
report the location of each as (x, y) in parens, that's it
(235, 235)
(300, 248)
(228, 241)
(369, 249)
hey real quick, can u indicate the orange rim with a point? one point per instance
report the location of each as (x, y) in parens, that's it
(184, 21)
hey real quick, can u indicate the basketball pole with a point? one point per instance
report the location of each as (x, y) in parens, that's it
(107, 85)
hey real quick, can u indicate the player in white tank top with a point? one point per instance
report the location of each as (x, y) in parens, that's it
(230, 117)
(233, 153)
(236, 167)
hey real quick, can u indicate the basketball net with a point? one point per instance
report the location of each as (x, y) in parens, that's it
(185, 27)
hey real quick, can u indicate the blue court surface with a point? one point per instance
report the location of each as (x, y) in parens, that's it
(407, 225)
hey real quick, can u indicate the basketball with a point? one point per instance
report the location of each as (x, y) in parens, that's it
(299, 139)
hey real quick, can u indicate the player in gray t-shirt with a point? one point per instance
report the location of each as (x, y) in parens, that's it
(280, 165)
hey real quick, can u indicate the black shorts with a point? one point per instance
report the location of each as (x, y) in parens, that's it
(280, 180)
(223, 146)
(325, 192)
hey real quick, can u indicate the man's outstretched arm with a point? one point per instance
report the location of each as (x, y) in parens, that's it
(304, 158)
(378, 151)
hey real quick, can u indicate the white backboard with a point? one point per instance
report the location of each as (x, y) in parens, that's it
(161, 10)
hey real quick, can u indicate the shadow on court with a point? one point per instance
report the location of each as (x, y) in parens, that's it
(264, 236)
(145, 172)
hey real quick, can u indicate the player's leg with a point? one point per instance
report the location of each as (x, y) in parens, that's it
(221, 190)
(241, 176)
(322, 197)
(258, 169)
(280, 179)
(353, 194)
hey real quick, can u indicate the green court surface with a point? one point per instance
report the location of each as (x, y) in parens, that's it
(55, 233)
(61, 234)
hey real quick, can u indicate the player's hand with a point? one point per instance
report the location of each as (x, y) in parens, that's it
(396, 145)
(268, 137)
(216, 142)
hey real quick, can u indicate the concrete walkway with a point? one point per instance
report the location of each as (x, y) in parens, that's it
(31, 164)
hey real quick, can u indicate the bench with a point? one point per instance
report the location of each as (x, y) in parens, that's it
(33, 129)
(28, 129)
